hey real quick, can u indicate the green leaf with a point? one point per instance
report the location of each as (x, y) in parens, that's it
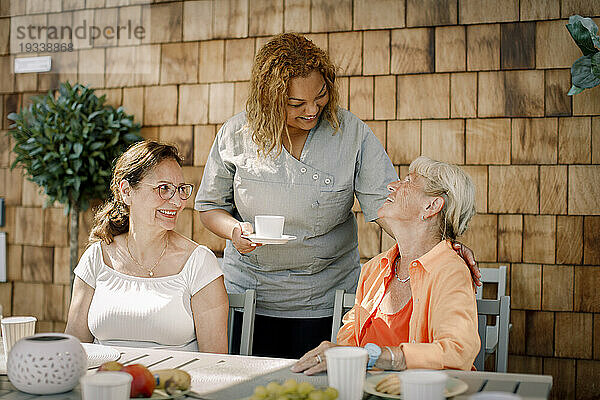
(575, 90)
(585, 33)
(581, 73)
(77, 149)
(96, 146)
(92, 115)
(596, 65)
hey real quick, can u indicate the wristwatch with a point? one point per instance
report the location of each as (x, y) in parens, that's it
(374, 353)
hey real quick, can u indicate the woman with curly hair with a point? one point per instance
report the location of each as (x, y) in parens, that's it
(294, 153)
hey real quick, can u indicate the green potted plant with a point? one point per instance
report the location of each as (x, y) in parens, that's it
(585, 72)
(66, 143)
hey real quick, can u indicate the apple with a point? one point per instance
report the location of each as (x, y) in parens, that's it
(111, 366)
(143, 381)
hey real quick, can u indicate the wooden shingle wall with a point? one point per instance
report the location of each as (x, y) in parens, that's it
(479, 83)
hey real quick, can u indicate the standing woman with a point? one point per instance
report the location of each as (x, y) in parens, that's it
(139, 283)
(294, 153)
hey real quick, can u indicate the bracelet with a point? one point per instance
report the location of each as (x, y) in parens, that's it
(392, 354)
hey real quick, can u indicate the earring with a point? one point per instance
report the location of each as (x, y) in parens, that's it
(422, 218)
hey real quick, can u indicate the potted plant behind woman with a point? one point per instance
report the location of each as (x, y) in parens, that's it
(585, 72)
(66, 143)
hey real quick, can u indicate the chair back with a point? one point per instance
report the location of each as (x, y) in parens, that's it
(501, 310)
(493, 275)
(245, 302)
(343, 303)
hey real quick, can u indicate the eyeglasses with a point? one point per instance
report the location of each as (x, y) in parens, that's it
(166, 191)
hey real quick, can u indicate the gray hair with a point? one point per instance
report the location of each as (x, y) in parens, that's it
(455, 187)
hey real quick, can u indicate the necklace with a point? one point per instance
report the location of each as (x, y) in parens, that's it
(151, 269)
(396, 272)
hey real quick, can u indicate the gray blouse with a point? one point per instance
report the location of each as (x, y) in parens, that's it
(315, 194)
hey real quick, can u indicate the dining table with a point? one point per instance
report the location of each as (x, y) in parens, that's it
(232, 377)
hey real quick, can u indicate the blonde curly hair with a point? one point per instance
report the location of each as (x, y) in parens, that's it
(286, 56)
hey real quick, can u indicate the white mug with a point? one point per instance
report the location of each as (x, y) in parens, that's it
(269, 226)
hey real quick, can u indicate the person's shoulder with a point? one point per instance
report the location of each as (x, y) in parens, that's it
(93, 252)
(90, 262)
(350, 123)
(187, 245)
(346, 117)
(449, 263)
(234, 124)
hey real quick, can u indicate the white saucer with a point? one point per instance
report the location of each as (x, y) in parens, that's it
(264, 240)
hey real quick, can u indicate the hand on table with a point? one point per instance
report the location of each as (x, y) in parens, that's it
(314, 360)
(243, 245)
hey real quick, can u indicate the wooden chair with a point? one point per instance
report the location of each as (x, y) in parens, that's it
(342, 304)
(245, 302)
(500, 308)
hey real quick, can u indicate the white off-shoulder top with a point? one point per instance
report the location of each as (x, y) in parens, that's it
(145, 312)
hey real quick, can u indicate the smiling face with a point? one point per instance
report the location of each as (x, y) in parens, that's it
(307, 96)
(146, 205)
(407, 200)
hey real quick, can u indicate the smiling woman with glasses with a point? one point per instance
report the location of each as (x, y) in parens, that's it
(140, 283)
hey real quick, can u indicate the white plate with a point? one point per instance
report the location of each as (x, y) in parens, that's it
(263, 240)
(98, 354)
(454, 386)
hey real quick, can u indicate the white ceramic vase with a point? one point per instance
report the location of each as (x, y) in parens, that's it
(46, 363)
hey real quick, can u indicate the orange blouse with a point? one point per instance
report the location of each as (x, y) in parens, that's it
(388, 329)
(443, 323)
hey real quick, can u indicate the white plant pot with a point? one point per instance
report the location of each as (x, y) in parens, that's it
(46, 363)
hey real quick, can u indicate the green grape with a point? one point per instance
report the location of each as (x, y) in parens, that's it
(304, 388)
(331, 393)
(317, 395)
(260, 392)
(282, 397)
(290, 386)
(274, 388)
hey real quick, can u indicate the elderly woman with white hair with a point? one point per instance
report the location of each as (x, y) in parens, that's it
(415, 303)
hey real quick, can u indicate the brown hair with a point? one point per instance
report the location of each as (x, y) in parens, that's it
(112, 219)
(286, 56)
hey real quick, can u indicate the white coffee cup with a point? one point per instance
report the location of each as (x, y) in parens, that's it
(420, 384)
(15, 329)
(104, 385)
(269, 226)
(346, 370)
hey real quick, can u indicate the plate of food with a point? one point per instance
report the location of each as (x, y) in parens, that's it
(293, 390)
(155, 384)
(388, 386)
